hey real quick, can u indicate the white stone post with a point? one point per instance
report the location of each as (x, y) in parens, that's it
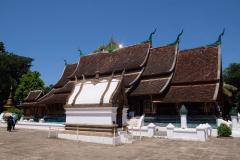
(183, 113)
(183, 121)
(219, 120)
(124, 116)
(170, 127)
(201, 132)
(151, 129)
(234, 122)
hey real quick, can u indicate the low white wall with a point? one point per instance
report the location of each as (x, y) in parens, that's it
(91, 116)
(40, 126)
(200, 133)
(145, 131)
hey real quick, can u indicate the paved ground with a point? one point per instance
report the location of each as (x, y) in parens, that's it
(31, 144)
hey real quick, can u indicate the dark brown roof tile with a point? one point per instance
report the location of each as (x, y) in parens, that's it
(128, 58)
(34, 96)
(161, 60)
(197, 65)
(68, 70)
(192, 93)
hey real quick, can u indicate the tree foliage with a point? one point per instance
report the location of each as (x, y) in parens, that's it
(110, 47)
(12, 67)
(231, 75)
(47, 89)
(29, 81)
(224, 131)
(229, 90)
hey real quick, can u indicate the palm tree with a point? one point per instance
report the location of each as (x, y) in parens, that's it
(228, 89)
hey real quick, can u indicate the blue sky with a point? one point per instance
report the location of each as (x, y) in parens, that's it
(51, 31)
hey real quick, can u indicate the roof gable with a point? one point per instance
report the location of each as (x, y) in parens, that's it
(197, 65)
(68, 70)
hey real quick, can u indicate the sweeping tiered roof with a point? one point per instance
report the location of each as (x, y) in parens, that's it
(158, 70)
(197, 76)
(128, 61)
(61, 89)
(32, 97)
(191, 75)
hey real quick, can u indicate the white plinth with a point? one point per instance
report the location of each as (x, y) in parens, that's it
(91, 116)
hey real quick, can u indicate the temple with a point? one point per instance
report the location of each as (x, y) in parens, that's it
(151, 81)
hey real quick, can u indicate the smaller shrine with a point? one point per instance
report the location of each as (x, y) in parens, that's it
(97, 105)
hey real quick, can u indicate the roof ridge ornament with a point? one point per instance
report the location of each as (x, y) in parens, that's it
(80, 52)
(151, 36)
(65, 62)
(76, 79)
(177, 39)
(219, 40)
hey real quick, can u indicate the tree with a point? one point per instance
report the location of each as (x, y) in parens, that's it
(229, 90)
(29, 81)
(2, 48)
(12, 67)
(231, 75)
(47, 89)
(110, 47)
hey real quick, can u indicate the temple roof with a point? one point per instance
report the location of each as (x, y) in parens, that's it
(196, 77)
(192, 93)
(68, 70)
(151, 86)
(161, 60)
(127, 58)
(67, 88)
(158, 71)
(191, 75)
(63, 86)
(55, 99)
(33, 96)
(198, 65)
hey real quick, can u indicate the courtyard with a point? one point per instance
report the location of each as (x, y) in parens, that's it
(34, 144)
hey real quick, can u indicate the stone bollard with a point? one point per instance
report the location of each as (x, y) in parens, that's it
(201, 132)
(234, 122)
(219, 121)
(151, 129)
(170, 127)
(41, 120)
(183, 113)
